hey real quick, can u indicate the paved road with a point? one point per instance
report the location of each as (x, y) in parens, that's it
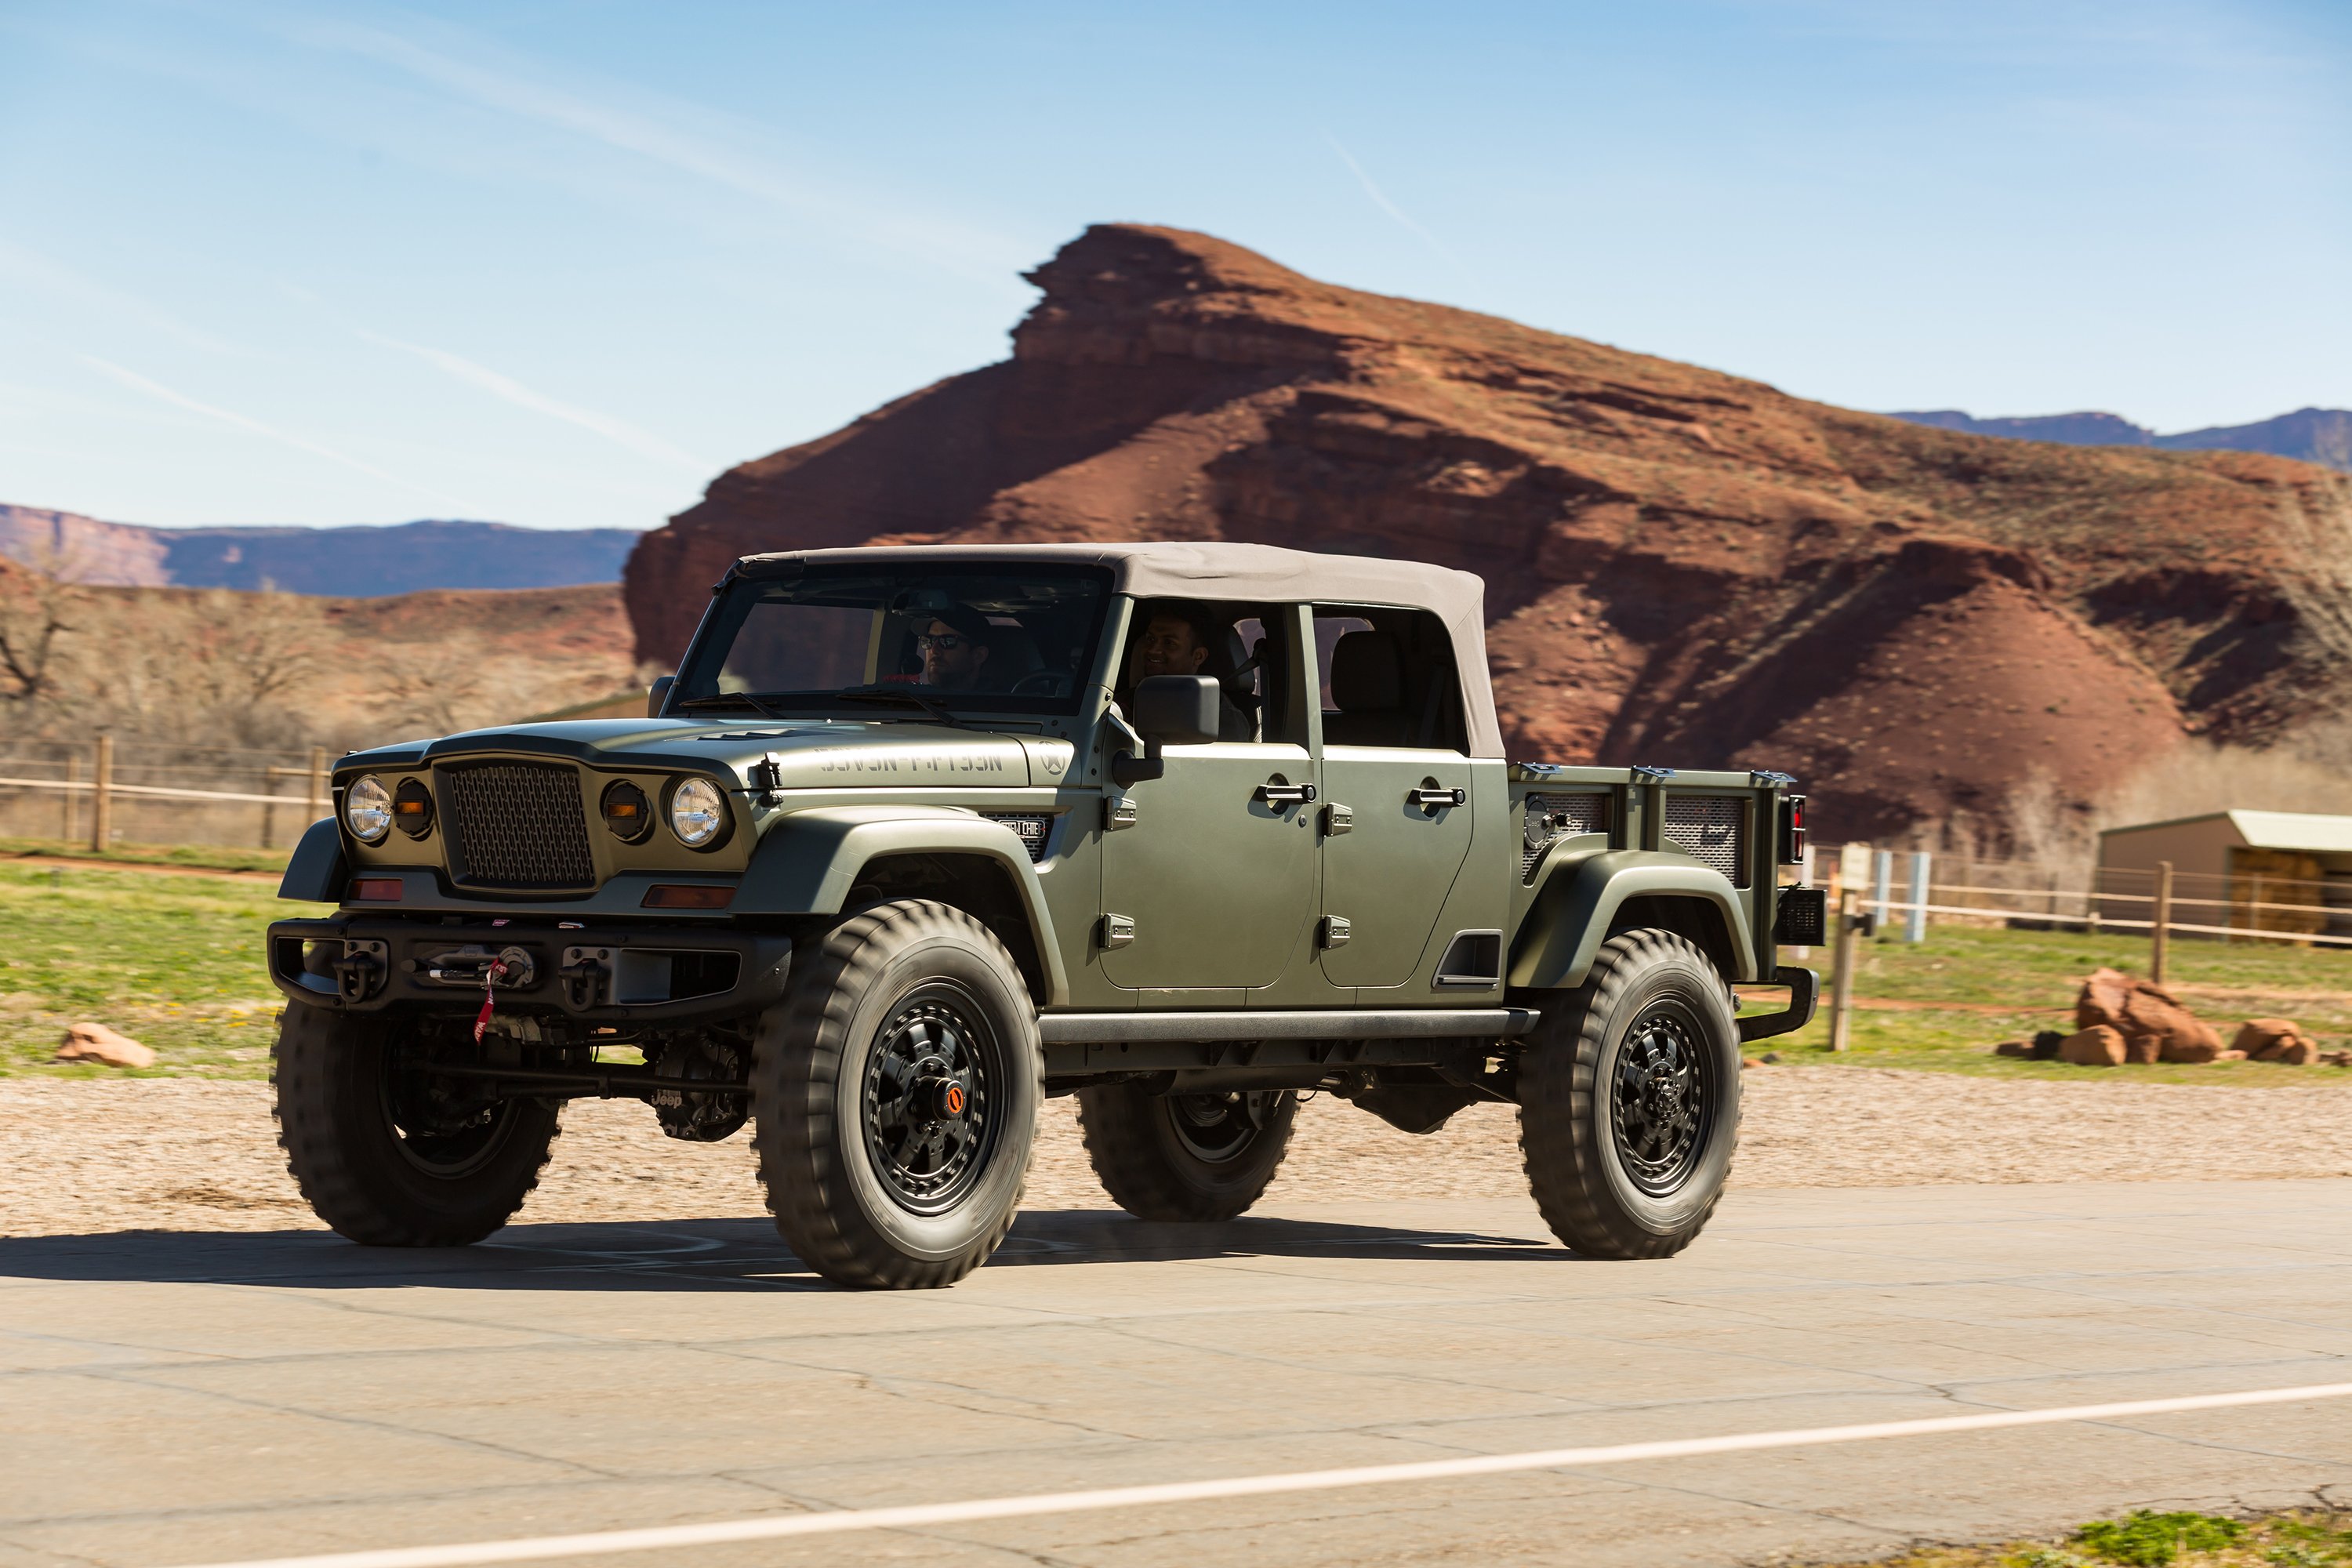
(175, 1397)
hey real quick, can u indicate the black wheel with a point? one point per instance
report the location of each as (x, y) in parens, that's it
(1629, 1101)
(1184, 1156)
(895, 1092)
(389, 1153)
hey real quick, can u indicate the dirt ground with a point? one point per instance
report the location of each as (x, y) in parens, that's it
(174, 1154)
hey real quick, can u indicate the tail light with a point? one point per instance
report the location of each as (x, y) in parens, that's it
(1792, 829)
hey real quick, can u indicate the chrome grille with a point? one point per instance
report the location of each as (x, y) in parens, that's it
(1712, 828)
(1032, 828)
(518, 825)
(1551, 817)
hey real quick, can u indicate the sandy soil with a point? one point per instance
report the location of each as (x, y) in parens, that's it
(163, 1153)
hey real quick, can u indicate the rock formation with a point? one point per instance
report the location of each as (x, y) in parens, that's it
(1683, 566)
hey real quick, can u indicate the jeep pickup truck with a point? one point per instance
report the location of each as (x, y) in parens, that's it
(918, 836)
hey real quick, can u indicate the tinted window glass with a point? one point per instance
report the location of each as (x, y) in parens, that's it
(1229, 643)
(861, 639)
(1388, 678)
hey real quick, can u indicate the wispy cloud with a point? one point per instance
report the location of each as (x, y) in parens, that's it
(162, 394)
(663, 138)
(618, 431)
(1381, 199)
(50, 275)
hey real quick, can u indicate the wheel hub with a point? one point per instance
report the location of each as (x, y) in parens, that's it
(1659, 1102)
(926, 1102)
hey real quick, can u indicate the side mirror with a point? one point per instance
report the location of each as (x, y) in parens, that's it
(658, 695)
(1169, 711)
(1177, 709)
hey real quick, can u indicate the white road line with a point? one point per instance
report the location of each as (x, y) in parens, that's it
(772, 1528)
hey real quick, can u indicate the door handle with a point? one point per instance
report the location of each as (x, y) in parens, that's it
(1435, 799)
(1285, 794)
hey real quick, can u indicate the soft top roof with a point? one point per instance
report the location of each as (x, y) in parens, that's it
(1213, 570)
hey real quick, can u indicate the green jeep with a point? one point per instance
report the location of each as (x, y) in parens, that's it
(917, 836)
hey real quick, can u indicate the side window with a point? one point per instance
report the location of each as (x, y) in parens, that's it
(1230, 644)
(1388, 678)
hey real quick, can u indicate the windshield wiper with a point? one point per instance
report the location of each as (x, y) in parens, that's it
(900, 694)
(733, 700)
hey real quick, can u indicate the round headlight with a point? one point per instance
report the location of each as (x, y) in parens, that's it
(367, 809)
(698, 813)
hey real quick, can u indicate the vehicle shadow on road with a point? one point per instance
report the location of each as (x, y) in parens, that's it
(694, 1255)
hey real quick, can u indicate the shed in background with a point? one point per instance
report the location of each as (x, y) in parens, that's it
(2225, 863)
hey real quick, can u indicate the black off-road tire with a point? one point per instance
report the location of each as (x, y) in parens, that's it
(1597, 1099)
(1159, 1160)
(360, 1172)
(827, 1097)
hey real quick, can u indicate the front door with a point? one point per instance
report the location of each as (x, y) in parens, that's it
(1217, 872)
(1396, 808)
(1211, 885)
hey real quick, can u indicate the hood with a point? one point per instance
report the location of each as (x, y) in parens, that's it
(808, 753)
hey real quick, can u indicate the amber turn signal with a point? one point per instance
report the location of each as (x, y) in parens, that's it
(412, 808)
(627, 811)
(687, 896)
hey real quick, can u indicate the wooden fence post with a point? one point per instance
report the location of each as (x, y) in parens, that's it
(101, 804)
(73, 776)
(2160, 931)
(318, 783)
(1849, 934)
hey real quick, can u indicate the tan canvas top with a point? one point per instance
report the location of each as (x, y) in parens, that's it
(1206, 570)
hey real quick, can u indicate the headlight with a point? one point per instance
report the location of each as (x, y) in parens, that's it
(698, 813)
(367, 808)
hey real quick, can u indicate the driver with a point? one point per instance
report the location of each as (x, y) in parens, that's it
(954, 647)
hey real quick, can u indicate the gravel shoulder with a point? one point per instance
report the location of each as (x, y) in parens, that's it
(83, 1156)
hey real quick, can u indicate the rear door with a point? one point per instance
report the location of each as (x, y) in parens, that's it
(1396, 812)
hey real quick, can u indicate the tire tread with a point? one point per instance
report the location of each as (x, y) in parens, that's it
(1558, 1111)
(795, 1063)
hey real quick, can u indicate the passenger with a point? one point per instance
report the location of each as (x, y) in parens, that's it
(1175, 641)
(954, 647)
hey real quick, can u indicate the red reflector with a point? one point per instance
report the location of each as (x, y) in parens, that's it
(687, 896)
(376, 890)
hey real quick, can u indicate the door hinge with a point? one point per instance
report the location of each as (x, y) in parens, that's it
(1338, 820)
(1119, 811)
(1334, 932)
(1115, 930)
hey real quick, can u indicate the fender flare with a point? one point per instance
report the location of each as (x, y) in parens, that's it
(1578, 900)
(317, 873)
(807, 861)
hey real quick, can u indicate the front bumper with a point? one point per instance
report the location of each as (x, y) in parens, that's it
(617, 975)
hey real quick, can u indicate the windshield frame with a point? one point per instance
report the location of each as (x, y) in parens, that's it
(699, 671)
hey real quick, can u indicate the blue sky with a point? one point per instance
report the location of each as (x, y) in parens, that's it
(559, 264)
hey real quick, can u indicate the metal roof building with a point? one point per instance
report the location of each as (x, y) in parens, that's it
(2225, 862)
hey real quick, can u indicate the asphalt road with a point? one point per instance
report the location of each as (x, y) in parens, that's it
(176, 1397)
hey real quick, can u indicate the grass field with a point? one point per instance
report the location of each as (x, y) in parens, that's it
(1965, 988)
(2144, 1538)
(175, 962)
(209, 856)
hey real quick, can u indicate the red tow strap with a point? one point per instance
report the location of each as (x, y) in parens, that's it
(490, 977)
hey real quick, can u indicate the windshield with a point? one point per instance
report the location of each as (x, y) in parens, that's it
(937, 638)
